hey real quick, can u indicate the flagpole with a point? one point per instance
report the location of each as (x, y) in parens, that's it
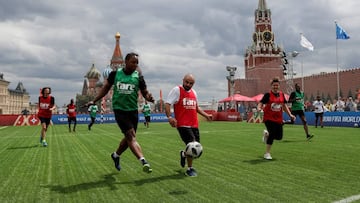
(337, 66)
(337, 70)
(340, 34)
(306, 44)
(302, 73)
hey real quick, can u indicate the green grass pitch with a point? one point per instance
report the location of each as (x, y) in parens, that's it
(76, 167)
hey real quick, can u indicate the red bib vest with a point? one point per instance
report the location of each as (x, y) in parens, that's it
(273, 109)
(71, 110)
(185, 109)
(44, 107)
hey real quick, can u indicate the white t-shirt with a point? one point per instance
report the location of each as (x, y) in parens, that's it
(319, 106)
(174, 95)
(340, 105)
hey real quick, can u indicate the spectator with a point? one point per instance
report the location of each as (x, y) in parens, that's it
(340, 105)
(350, 105)
(319, 111)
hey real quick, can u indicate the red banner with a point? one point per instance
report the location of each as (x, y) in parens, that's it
(19, 120)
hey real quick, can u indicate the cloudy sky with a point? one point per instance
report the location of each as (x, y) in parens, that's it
(54, 43)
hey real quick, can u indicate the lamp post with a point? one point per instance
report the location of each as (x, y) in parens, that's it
(290, 73)
(231, 79)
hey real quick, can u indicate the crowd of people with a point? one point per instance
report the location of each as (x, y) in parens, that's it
(341, 104)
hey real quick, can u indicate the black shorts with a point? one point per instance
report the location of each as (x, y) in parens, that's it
(298, 113)
(71, 119)
(317, 115)
(189, 134)
(45, 120)
(126, 119)
(147, 119)
(275, 131)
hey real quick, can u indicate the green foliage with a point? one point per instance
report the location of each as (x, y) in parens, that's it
(76, 167)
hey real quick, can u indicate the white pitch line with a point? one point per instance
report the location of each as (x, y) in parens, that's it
(349, 199)
(3, 127)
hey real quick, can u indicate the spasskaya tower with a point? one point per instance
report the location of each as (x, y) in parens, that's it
(262, 60)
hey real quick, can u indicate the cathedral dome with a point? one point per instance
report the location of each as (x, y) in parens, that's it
(93, 73)
(106, 72)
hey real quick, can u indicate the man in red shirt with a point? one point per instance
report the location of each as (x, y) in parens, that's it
(46, 106)
(71, 112)
(184, 101)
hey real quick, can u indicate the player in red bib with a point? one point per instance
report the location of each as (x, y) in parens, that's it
(273, 103)
(71, 112)
(184, 101)
(46, 106)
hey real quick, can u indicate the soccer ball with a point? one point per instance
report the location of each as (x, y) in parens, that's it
(193, 149)
(356, 125)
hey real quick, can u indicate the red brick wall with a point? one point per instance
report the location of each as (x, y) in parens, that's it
(323, 84)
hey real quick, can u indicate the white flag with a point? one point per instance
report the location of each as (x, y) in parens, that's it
(305, 43)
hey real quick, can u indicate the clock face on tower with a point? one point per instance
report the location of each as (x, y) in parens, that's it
(267, 36)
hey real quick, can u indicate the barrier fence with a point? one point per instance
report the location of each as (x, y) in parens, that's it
(342, 119)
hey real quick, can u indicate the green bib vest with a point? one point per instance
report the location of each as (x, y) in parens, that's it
(298, 104)
(126, 87)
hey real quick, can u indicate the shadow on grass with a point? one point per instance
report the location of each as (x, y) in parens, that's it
(260, 160)
(179, 175)
(291, 141)
(110, 181)
(24, 147)
(107, 181)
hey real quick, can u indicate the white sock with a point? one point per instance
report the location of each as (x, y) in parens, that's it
(115, 155)
(142, 160)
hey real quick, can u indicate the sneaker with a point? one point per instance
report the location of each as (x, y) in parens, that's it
(308, 137)
(182, 159)
(44, 143)
(146, 167)
(265, 136)
(267, 156)
(191, 172)
(89, 128)
(116, 161)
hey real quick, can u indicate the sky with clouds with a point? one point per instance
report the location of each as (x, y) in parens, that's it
(54, 43)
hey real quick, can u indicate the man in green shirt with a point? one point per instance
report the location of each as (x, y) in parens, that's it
(126, 83)
(147, 111)
(93, 109)
(298, 108)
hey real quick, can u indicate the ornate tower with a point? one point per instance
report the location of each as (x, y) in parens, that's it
(263, 55)
(262, 59)
(93, 76)
(117, 59)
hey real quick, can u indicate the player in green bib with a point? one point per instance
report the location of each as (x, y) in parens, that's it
(147, 112)
(126, 83)
(298, 108)
(93, 109)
